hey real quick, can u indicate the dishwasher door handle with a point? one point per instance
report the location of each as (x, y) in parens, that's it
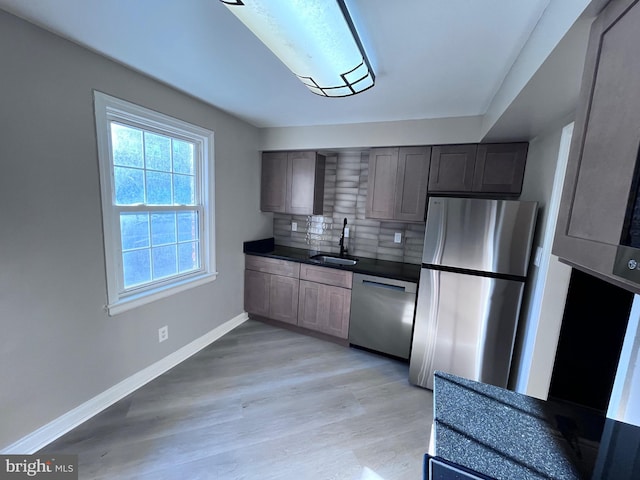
(369, 283)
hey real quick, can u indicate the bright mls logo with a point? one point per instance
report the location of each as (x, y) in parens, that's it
(51, 467)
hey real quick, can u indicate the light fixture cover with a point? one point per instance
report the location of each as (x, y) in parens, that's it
(315, 39)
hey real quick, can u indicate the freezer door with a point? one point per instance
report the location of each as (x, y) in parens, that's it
(479, 234)
(465, 325)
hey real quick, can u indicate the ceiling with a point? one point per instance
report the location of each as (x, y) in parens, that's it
(432, 58)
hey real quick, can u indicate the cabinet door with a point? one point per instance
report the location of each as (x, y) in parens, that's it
(301, 175)
(411, 183)
(309, 306)
(604, 148)
(257, 288)
(500, 168)
(335, 311)
(273, 185)
(324, 308)
(452, 168)
(283, 299)
(383, 174)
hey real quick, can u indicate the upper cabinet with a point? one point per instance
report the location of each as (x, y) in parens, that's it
(478, 169)
(500, 168)
(399, 178)
(273, 189)
(397, 185)
(292, 182)
(452, 168)
(604, 147)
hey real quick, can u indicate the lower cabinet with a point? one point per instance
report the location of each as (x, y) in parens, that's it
(272, 296)
(312, 297)
(283, 299)
(257, 289)
(324, 308)
(324, 303)
(271, 288)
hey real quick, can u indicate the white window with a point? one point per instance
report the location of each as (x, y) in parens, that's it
(156, 178)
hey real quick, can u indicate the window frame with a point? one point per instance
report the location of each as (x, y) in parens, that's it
(111, 109)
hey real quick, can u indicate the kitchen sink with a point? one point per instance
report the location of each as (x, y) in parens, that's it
(334, 260)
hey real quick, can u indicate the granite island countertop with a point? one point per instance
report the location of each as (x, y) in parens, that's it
(509, 436)
(407, 272)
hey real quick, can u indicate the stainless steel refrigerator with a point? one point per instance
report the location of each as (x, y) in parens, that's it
(474, 265)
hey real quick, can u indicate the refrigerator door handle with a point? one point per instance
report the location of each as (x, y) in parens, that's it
(425, 329)
(435, 232)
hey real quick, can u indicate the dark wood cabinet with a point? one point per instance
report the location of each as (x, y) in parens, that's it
(324, 308)
(478, 169)
(325, 300)
(604, 147)
(292, 182)
(309, 306)
(381, 188)
(499, 168)
(271, 288)
(313, 297)
(452, 168)
(397, 188)
(412, 183)
(283, 299)
(257, 290)
(273, 186)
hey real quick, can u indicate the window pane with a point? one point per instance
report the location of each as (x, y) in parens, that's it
(164, 261)
(129, 185)
(189, 256)
(137, 267)
(157, 152)
(188, 228)
(183, 157)
(183, 190)
(134, 230)
(158, 188)
(163, 228)
(126, 143)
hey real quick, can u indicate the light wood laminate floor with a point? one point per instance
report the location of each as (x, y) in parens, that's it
(262, 403)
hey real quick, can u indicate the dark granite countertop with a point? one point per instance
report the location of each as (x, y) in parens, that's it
(509, 436)
(407, 272)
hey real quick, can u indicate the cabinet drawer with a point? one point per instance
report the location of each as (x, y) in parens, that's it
(273, 266)
(327, 276)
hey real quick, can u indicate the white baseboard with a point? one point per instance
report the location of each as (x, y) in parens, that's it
(46, 434)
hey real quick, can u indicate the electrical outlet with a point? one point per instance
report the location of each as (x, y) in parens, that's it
(163, 333)
(397, 237)
(294, 226)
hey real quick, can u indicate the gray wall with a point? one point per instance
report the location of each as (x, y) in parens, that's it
(58, 348)
(377, 134)
(538, 185)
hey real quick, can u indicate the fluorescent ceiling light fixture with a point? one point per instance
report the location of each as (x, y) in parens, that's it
(315, 39)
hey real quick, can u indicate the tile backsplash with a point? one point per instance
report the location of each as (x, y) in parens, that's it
(345, 196)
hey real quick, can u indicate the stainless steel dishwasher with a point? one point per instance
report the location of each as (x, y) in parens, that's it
(382, 311)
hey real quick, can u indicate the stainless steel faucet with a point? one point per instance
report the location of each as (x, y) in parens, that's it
(343, 250)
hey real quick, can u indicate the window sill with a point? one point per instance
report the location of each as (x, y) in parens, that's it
(134, 301)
